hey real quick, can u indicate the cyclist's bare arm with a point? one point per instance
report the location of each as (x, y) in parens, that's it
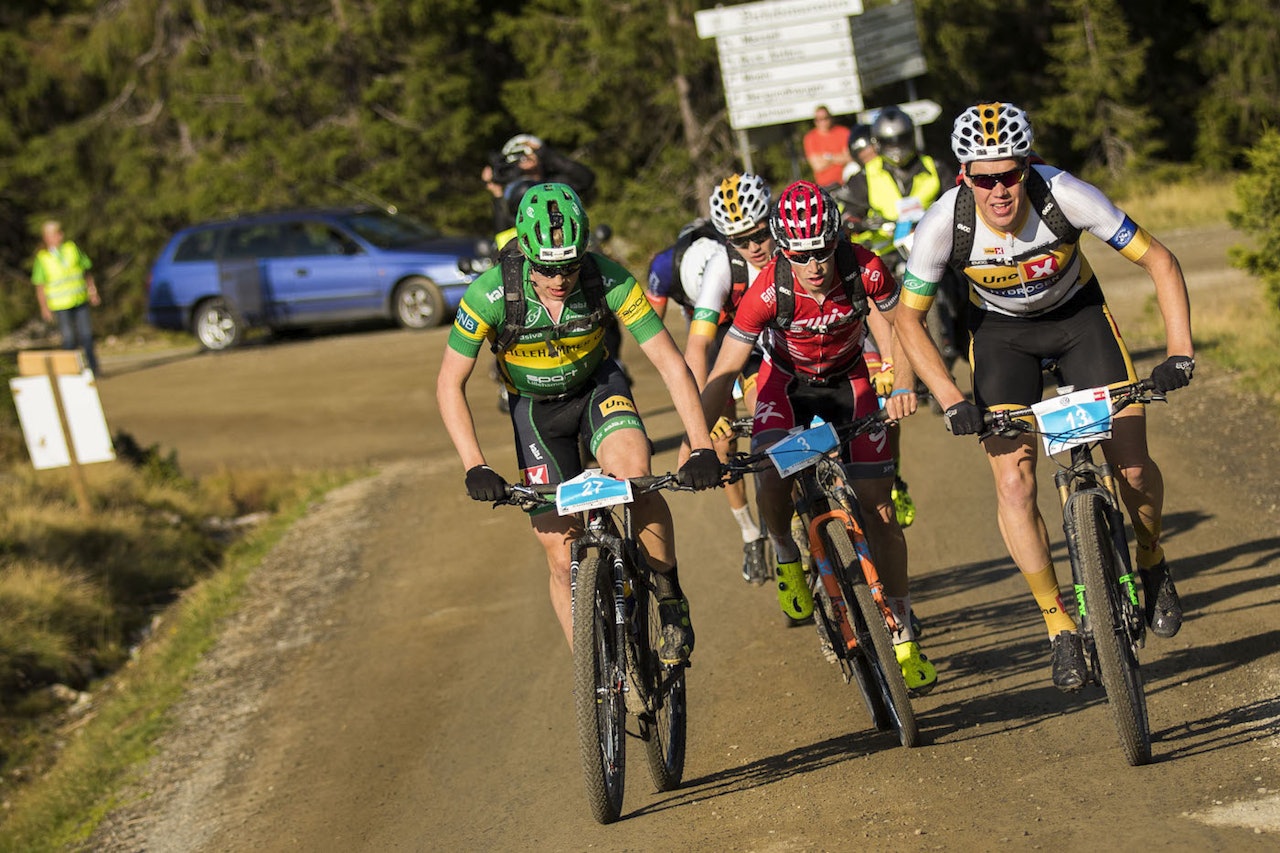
(891, 349)
(451, 397)
(696, 350)
(919, 348)
(667, 358)
(1171, 295)
(729, 363)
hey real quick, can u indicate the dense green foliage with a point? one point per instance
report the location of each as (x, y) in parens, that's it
(1259, 215)
(128, 119)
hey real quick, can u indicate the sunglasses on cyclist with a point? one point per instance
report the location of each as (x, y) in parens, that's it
(758, 237)
(1010, 179)
(552, 270)
(803, 258)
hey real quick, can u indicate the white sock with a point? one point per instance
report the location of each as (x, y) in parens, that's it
(901, 608)
(786, 550)
(750, 531)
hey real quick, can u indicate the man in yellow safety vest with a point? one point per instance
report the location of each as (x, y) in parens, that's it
(65, 290)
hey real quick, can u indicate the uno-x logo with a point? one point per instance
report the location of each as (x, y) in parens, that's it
(766, 412)
(536, 476)
(616, 403)
(1041, 267)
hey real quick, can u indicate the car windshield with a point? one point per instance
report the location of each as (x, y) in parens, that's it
(389, 232)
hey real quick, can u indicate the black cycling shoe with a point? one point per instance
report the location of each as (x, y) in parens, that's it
(1069, 667)
(755, 566)
(1160, 599)
(675, 641)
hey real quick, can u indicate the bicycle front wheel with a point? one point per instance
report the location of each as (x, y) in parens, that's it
(873, 636)
(598, 685)
(662, 727)
(1121, 675)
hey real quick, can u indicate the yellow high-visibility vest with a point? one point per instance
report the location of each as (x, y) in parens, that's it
(61, 274)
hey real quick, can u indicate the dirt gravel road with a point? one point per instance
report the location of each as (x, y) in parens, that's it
(396, 681)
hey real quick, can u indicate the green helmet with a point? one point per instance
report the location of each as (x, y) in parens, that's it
(551, 225)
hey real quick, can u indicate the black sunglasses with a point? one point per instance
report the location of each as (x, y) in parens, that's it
(758, 237)
(803, 258)
(1010, 179)
(552, 270)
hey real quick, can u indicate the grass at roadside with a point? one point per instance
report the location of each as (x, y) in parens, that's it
(63, 806)
(1238, 334)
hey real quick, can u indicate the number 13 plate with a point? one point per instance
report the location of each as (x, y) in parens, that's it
(1075, 418)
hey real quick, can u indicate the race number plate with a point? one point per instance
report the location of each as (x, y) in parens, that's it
(1075, 418)
(589, 490)
(803, 449)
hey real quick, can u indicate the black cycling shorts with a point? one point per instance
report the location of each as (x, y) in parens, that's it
(1008, 352)
(550, 433)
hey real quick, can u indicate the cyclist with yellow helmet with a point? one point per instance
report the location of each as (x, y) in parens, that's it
(1013, 229)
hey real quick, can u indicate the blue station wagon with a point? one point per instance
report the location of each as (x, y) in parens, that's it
(309, 268)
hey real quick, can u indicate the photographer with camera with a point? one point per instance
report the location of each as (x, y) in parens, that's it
(525, 160)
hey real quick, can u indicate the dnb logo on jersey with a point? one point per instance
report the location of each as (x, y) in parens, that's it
(538, 475)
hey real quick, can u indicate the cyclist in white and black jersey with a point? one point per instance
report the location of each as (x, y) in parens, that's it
(740, 212)
(1012, 230)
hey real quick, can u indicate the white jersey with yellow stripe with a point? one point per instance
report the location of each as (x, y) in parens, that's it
(1029, 270)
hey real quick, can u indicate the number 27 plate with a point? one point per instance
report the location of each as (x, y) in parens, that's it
(589, 490)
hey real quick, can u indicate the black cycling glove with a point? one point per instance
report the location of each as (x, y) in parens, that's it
(485, 484)
(1173, 373)
(964, 418)
(702, 470)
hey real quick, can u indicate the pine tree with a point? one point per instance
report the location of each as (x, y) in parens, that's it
(1097, 68)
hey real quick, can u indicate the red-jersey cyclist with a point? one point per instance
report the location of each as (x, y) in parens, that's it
(814, 366)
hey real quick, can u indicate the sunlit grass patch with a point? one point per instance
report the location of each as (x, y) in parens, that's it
(1166, 200)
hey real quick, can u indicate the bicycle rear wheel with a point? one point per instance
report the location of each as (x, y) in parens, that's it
(663, 726)
(1121, 675)
(598, 684)
(873, 636)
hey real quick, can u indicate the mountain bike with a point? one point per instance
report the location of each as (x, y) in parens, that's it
(615, 638)
(1111, 621)
(851, 614)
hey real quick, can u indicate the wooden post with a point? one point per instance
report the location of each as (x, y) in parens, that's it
(53, 363)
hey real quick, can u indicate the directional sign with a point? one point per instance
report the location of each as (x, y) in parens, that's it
(781, 59)
(887, 44)
(921, 112)
(769, 14)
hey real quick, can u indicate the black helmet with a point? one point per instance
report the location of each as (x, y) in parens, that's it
(859, 138)
(895, 136)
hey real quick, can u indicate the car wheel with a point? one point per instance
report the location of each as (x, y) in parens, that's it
(418, 303)
(215, 326)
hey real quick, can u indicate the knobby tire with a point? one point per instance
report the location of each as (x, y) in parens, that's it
(881, 656)
(598, 661)
(1121, 676)
(662, 728)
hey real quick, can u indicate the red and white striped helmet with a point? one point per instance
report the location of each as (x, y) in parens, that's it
(805, 218)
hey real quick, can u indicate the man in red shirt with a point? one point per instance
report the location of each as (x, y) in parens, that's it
(826, 147)
(814, 366)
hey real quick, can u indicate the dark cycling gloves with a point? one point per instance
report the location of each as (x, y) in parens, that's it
(702, 470)
(1173, 373)
(485, 484)
(964, 418)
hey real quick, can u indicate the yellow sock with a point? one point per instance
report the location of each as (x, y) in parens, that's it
(1044, 586)
(1147, 533)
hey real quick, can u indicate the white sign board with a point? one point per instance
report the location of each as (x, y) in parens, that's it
(781, 59)
(38, 414)
(921, 112)
(887, 44)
